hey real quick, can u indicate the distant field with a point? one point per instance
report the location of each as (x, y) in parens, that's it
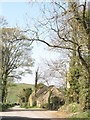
(15, 90)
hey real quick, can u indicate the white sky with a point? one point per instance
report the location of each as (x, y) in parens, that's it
(36, 0)
(27, 0)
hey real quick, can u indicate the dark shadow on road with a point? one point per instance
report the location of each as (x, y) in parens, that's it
(25, 118)
(21, 118)
(26, 110)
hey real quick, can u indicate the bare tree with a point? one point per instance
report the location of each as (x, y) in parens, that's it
(57, 28)
(15, 56)
(54, 72)
(36, 79)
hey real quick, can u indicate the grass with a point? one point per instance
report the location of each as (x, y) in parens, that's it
(83, 115)
(72, 108)
(76, 111)
(15, 90)
(27, 107)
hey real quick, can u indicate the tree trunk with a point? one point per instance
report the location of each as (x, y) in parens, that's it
(4, 89)
(36, 80)
(87, 83)
(49, 99)
(87, 102)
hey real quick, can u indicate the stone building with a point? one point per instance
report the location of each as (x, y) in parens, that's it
(45, 94)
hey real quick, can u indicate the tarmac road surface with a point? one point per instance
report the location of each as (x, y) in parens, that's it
(17, 113)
